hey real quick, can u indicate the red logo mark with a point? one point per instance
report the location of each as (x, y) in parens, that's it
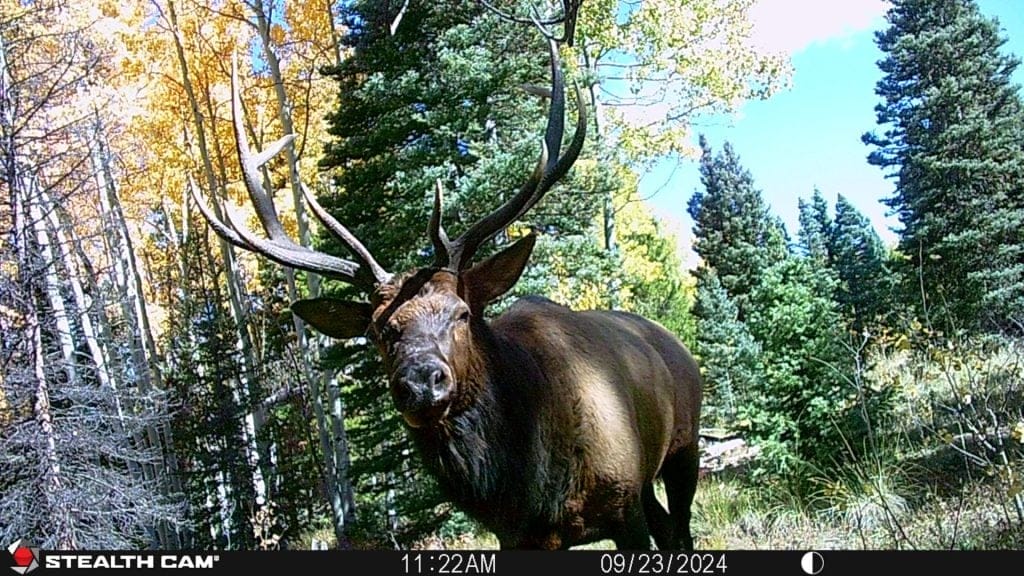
(26, 556)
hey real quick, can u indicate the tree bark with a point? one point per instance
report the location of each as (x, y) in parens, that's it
(233, 282)
(330, 424)
(145, 358)
(607, 204)
(51, 479)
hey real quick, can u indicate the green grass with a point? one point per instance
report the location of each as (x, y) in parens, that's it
(918, 486)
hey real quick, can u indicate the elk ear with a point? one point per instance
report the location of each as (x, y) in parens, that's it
(491, 278)
(336, 318)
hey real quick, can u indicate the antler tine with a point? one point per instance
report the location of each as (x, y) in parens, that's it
(461, 250)
(380, 275)
(294, 256)
(219, 227)
(279, 247)
(438, 237)
(549, 169)
(264, 205)
(570, 8)
(563, 164)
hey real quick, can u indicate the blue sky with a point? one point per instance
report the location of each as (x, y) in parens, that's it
(809, 135)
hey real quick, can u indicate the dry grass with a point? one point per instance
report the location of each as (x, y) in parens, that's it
(921, 485)
(974, 521)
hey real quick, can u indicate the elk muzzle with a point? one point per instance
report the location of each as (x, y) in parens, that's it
(421, 389)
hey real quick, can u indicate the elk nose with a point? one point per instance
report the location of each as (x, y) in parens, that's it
(438, 381)
(420, 385)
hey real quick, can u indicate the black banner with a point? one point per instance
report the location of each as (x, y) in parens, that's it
(583, 562)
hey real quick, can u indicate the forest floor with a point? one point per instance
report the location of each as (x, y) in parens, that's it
(940, 512)
(931, 501)
(731, 515)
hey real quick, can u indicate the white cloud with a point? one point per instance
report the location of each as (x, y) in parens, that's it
(789, 26)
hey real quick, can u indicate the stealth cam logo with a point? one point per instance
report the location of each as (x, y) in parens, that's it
(26, 556)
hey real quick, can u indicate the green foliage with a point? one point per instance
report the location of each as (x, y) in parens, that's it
(859, 259)
(953, 125)
(665, 296)
(440, 99)
(653, 283)
(815, 228)
(773, 335)
(927, 482)
(735, 234)
(730, 359)
(572, 270)
(660, 63)
(849, 248)
(803, 402)
(207, 429)
(770, 331)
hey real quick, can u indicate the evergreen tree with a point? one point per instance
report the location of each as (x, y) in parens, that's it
(815, 227)
(858, 257)
(953, 128)
(770, 330)
(202, 380)
(849, 248)
(802, 404)
(735, 234)
(729, 356)
(439, 98)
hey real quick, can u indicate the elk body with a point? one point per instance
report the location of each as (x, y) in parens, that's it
(547, 425)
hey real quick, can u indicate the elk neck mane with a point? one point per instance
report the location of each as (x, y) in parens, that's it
(490, 447)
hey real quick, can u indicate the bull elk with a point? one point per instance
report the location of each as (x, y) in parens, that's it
(549, 426)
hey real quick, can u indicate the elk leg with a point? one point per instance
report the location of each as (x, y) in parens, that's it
(632, 534)
(680, 472)
(658, 520)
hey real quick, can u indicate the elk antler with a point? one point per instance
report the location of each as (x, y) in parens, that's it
(366, 273)
(570, 10)
(457, 254)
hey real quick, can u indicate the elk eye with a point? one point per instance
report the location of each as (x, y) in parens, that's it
(464, 316)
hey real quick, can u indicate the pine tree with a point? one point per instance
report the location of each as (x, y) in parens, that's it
(802, 404)
(858, 258)
(953, 128)
(735, 234)
(848, 248)
(729, 356)
(815, 227)
(439, 99)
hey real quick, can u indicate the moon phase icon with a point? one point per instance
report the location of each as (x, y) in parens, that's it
(812, 563)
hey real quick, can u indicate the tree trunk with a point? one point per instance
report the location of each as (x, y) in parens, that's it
(607, 204)
(330, 424)
(234, 285)
(145, 359)
(51, 283)
(51, 479)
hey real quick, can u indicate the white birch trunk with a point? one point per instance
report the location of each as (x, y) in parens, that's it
(51, 479)
(234, 286)
(83, 305)
(330, 424)
(146, 370)
(51, 282)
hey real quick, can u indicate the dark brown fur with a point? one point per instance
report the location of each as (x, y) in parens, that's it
(559, 421)
(549, 426)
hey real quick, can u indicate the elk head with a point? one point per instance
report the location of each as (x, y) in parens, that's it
(423, 322)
